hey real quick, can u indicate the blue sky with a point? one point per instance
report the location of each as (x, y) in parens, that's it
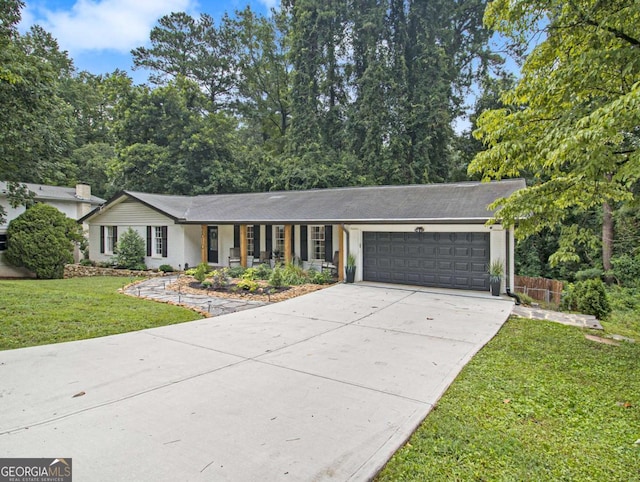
(100, 34)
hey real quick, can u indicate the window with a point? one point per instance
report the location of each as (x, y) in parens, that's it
(3, 242)
(279, 237)
(317, 242)
(158, 241)
(250, 238)
(109, 239)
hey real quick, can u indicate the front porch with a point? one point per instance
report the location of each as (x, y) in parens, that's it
(247, 244)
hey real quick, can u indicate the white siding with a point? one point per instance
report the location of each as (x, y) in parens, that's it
(182, 246)
(225, 243)
(131, 213)
(192, 243)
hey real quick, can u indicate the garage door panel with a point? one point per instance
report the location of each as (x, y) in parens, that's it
(479, 253)
(448, 260)
(413, 263)
(429, 264)
(478, 267)
(462, 267)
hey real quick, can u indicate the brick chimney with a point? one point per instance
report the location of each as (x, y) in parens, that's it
(83, 195)
(83, 191)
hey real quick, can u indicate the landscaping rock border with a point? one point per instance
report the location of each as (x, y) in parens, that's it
(79, 271)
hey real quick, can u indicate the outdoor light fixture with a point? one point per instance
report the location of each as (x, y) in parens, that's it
(419, 229)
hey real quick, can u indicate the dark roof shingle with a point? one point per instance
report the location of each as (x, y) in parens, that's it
(464, 201)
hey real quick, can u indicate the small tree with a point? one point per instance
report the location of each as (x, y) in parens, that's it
(130, 251)
(42, 240)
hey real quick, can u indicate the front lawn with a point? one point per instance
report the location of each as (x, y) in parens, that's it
(539, 402)
(37, 312)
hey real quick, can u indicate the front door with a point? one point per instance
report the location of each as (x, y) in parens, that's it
(212, 250)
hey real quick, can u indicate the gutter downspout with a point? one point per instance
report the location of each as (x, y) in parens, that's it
(508, 280)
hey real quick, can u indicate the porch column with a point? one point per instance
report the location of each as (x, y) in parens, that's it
(243, 245)
(203, 243)
(287, 243)
(340, 253)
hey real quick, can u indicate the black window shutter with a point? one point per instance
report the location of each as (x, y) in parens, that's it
(256, 241)
(293, 240)
(328, 243)
(148, 240)
(164, 241)
(115, 236)
(269, 238)
(236, 235)
(304, 248)
(102, 228)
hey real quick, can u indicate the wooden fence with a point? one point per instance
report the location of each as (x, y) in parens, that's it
(542, 289)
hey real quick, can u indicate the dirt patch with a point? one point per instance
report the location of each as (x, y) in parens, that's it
(265, 293)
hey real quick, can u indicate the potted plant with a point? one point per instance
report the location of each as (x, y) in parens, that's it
(350, 269)
(496, 271)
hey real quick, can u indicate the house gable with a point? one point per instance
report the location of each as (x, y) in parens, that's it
(130, 212)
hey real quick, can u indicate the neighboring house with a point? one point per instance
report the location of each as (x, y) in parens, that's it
(428, 235)
(73, 202)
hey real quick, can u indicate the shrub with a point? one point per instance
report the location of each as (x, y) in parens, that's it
(320, 277)
(263, 271)
(626, 269)
(191, 272)
(206, 284)
(589, 297)
(42, 240)
(130, 251)
(624, 299)
(276, 280)
(247, 285)
(250, 274)
(220, 278)
(201, 272)
(166, 268)
(294, 275)
(236, 271)
(87, 262)
(591, 273)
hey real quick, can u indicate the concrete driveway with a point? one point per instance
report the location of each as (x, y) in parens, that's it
(322, 387)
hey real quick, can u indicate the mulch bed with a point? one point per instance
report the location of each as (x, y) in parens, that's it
(266, 293)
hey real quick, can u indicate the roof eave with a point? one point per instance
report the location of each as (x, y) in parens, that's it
(481, 220)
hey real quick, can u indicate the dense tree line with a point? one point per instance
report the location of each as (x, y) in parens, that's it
(315, 94)
(334, 93)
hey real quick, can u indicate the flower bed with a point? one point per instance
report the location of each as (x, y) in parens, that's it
(188, 284)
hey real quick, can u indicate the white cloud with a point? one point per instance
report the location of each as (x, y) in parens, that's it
(117, 25)
(270, 3)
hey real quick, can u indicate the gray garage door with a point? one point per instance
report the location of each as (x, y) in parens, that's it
(445, 260)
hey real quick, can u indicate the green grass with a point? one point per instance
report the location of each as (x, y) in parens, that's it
(539, 402)
(38, 312)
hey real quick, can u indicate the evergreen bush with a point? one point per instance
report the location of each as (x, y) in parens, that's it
(276, 280)
(588, 297)
(130, 251)
(42, 240)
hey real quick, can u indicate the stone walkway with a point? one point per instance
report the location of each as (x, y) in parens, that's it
(155, 289)
(572, 319)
